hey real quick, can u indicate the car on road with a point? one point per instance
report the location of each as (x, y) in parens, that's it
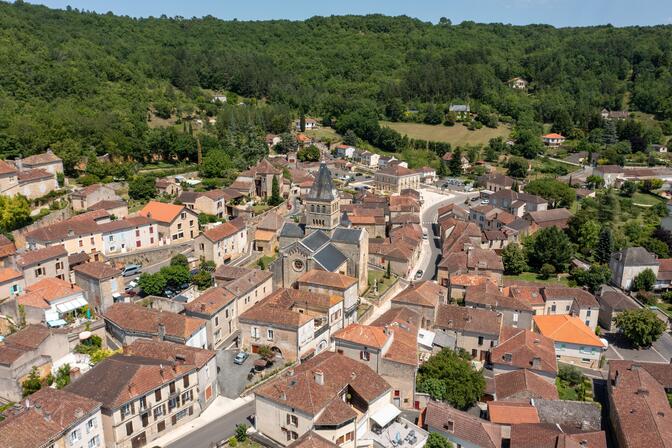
(485, 201)
(240, 358)
(131, 269)
(474, 199)
(419, 274)
(424, 235)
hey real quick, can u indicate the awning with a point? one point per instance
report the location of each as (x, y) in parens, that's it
(385, 415)
(71, 305)
(56, 323)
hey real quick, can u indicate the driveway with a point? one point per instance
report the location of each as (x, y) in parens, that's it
(620, 349)
(232, 378)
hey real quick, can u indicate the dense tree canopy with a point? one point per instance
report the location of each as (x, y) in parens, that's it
(81, 82)
(640, 326)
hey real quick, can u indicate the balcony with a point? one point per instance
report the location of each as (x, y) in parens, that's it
(399, 433)
(324, 328)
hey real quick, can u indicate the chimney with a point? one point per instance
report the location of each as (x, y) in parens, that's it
(319, 377)
(386, 329)
(162, 331)
(202, 306)
(161, 370)
(290, 372)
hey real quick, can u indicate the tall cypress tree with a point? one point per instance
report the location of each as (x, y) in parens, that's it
(605, 246)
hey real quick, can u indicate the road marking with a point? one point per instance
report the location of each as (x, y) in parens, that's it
(616, 351)
(659, 354)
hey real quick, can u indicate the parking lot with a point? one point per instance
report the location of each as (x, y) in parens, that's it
(233, 377)
(621, 349)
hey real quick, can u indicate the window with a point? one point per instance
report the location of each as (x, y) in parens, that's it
(161, 426)
(292, 420)
(151, 229)
(216, 321)
(138, 243)
(185, 381)
(125, 410)
(137, 232)
(449, 426)
(587, 323)
(191, 223)
(81, 243)
(180, 415)
(91, 424)
(364, 355)
(159, 411)
(173, 403)
(291, 435)
(588, 313)
(157, 394)
(187, 396)
(269, 334)
(254, 332)
(145, 419)
(183, 215)
(94, 442)
(350, 436)
(396, 392)
(129, 428)
(143, 403)
(59, 265)
(340, 440)
(151, 240)
(480, 340)
(171, 387)
(39, 272)
(507, 357)
(92, 241)
(75, 436)
(567, 308)
(179, 226)
(553, 308)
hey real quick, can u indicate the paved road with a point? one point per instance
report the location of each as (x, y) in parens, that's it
(429, 218)
(217, 430)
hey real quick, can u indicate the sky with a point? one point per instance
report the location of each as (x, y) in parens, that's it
(519, 12)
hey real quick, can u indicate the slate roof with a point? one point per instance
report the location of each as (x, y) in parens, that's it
(292, 230)
(299, 389)
(330, 258)
(348, 236)
(323, 187)
(479, 432)
(636, 256)
(616, 300)
(315, 240)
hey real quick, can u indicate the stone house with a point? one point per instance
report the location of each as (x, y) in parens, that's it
(53, 418)
(12, 283)
(217, 307)
(515, 313)
(333, 284)
(495, 182)
(557, 217)
(294, 324)
(461, 428)
(50, 300)
(86, 197)
(573, 301)
(575, 343)
(35, 183)
(47, 161)
(102, 284)
(389, 347)
(258, 180)
(32, 346)
(626, 264)
(176, 223)
(612, 303)
(213, 202)
(118, 209)
(127, 235)
(475, 330)
(524, 349)
(222, 243)
(395, 178)
(128, 322)
(423, 298)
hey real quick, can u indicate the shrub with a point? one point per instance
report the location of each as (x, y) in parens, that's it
(241, 432)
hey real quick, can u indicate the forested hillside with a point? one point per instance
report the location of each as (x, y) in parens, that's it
(83, 82)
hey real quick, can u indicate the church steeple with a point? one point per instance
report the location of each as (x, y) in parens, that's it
(322, 202)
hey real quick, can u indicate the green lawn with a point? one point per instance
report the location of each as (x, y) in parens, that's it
(383, 283)
(260, 208)
(534, 277)
(455, 135)
(323, 133)
(266, 260)
(579, 392)
(645, 199)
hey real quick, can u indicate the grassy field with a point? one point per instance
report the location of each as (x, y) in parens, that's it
(324, 133)
(455, 135)
(645, 199)
(533, 277)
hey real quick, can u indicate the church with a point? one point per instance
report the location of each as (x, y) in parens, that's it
(324, 241)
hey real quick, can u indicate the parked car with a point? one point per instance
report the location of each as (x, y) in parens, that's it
(131, 269)
(485, 201)
(240, 358)
(419, 274)
(131, 285)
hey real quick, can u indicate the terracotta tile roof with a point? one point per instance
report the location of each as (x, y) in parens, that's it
(366, 335)
(87, 191)
(522, 347)
(425, 293)
(42, 293)
(404, 324)
(464, 319)
(487, 295)
(312, 440)
(97, 270)
(639, 403)
(545, 435)
(108, 205)
(264, 235)
(39, 159)
(226, 272)
(9, 274)
(564, 328)
(161, 212)
(29, 427)
(512, 413)
(523, 384)
(78, 258)
(336, 413)
(279, 308)
(222, 231)
(120, 379)
(300, 389)
(547, 217)
(553, 135)
(332, 280)
(479, 432)
(28, 338)
(397, 170)
(7, 247)
(527, 293)
(170, 352)
(581, 297)
(210, 302)
(31, 175)
(7, 168)
(247, 282)
(664, 269)
(40, 255)
(660, 372)
(467, 280)
(272, 221)
(76, 226)
(138, 319)
(127, 223)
